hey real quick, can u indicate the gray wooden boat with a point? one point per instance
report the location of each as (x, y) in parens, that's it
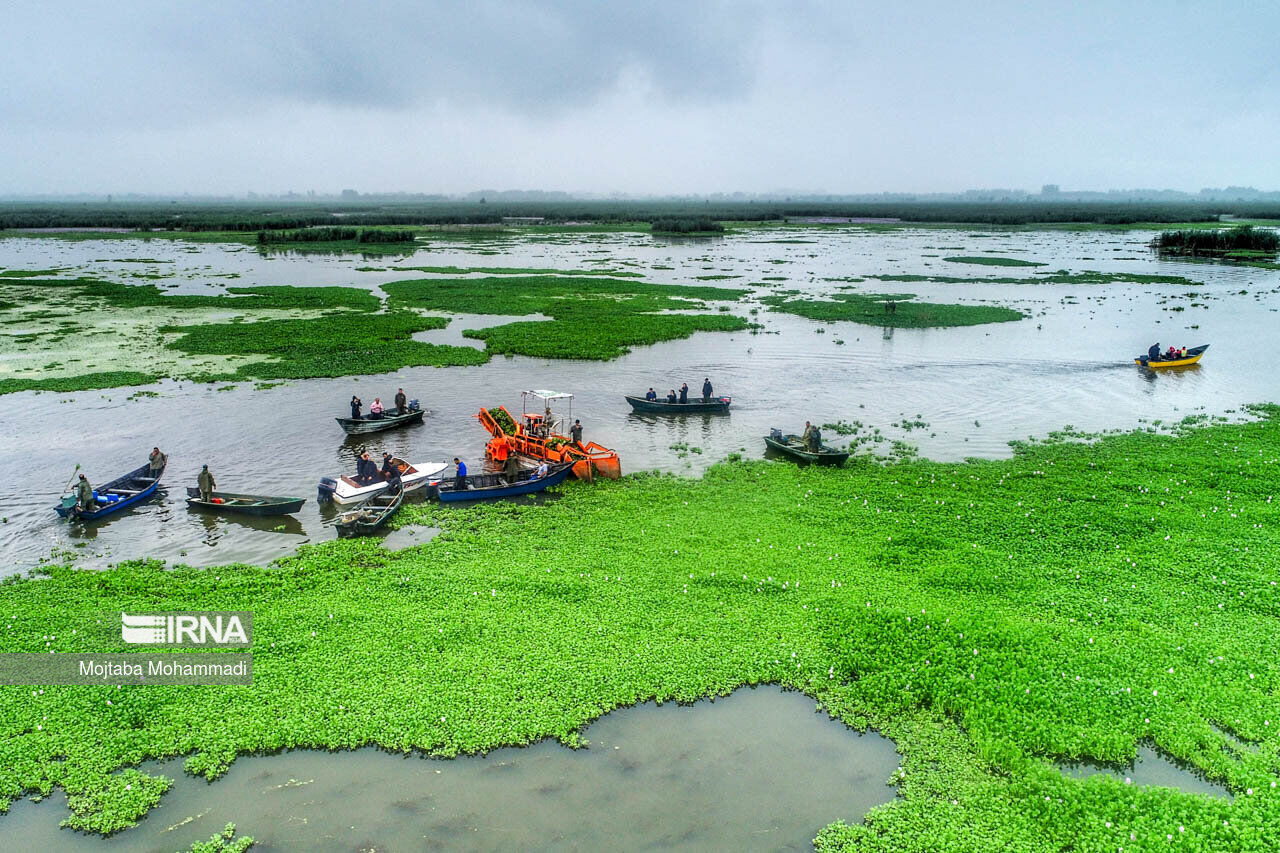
(244, 504)
(387, 420)
(696, 405)
(794, 446)
(370, 515)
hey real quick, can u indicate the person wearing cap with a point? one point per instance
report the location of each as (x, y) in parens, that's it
(204, 480)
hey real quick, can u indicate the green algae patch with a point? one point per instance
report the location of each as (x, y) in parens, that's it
(992, 261)
(991, 617)
(450, 270)
(1059, 277)
(340, 344)
(897, 310)
(596, 318)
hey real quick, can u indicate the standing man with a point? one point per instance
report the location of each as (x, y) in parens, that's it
(156, 462)
(575, 432)
(684, 392)
(402, 401)
(460, 481)
(355, 407)
(706, 389)
(807, 435)
(206, 483)
(511, 467)
(84, 494)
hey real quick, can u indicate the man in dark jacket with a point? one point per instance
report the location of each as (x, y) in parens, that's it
(205, 481)
(366, 469)
(706, 389)
(684, 392)
(652, 395)
(575, 432)
(671, 396)
(389, 467)
(355, 407)
(1153, 352)
(84, 494)
(402, 402)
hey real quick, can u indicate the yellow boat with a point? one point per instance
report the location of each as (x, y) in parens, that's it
(1193, 355)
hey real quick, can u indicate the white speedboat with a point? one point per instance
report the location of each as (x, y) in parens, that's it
(347, 490)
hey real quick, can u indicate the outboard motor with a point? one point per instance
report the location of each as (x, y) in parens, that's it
(774, 432)
(413, 406)
(328, 486)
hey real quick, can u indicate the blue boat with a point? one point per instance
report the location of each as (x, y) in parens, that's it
(133, 488)
(484, 487)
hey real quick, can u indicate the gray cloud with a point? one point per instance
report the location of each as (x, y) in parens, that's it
(636, 96)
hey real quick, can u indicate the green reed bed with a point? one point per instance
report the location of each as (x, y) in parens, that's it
(989, 616)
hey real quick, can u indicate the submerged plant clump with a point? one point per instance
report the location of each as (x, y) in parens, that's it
(989, 616)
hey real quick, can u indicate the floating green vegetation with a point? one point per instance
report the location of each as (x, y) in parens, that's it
(337, 235)
(251, 298)
(990, 617)
(339, 344)
(1059, 277)
(519, 271)
(992, 261)
(31, 273)
(898, 310)
(224, 842)
(592, 318)
(716, 277)
(1243, 241)
(82, 382)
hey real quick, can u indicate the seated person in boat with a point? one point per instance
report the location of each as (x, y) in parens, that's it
(394, 484)
(366, 469)
(540, 471)
(84, 494)
(155, 462)
(204, 480)
(671, 396)
(375, 411)
(460, 481)
(1172, 353)
(652, 395)
(355, 407)
(389, 467)
(1153, 352)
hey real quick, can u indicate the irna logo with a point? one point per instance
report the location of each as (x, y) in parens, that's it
(198, 628)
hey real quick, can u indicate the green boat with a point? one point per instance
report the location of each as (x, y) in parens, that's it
(370, 515)
(794, 446)
(244, 504)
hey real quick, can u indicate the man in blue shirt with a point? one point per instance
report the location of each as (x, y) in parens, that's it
(652, 395)
(460, 481)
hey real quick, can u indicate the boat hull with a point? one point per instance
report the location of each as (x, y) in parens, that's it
(1193, 357)
(828, 456)
(370, 517)
(139, 477)
(343, 490)
(448, 494)
(714, 406)
(362, 426)
(259, 505)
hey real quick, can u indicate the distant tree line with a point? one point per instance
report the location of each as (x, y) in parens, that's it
(331, 234)
(256, 216)
(1196, 241)
(672, 225)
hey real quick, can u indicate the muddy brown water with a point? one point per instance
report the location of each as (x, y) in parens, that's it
(758, 770)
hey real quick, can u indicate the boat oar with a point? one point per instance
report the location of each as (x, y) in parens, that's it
(73, 478)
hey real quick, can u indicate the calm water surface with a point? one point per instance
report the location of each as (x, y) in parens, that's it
(758, 770)
(976, 388)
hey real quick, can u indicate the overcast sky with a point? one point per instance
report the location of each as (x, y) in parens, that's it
(637, 97)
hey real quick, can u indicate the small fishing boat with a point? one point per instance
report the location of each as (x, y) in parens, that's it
(349, 490)
(133, 488)
(244, 504)
(1192, 356)
(484, 487)
(370, 515)
(387, 420)
(794, 446)
(696, 405)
